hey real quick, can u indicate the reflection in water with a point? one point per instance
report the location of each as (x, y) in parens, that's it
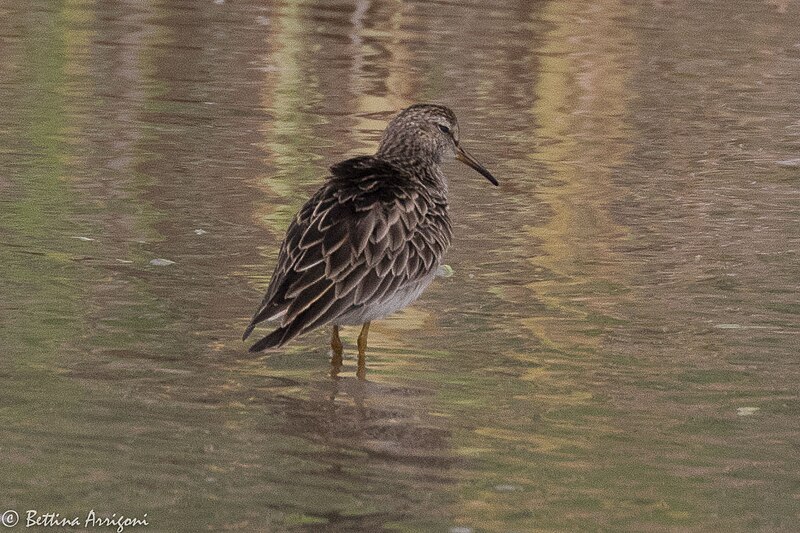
(617, 344)
(577, 241)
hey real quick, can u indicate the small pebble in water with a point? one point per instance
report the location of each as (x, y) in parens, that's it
(789, 163)
(507, 488)
(445, 271)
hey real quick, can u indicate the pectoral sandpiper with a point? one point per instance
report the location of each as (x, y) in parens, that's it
(371, 239)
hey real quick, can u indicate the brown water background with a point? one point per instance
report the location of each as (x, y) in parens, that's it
(618, 348)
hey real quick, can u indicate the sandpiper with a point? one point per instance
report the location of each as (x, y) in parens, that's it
(371, 239)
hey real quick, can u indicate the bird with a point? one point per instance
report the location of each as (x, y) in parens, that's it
(371, 239)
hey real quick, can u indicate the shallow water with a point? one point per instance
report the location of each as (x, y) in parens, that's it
(617, 348)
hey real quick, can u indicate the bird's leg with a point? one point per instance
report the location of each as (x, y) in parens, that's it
(336, 347)
(362, 350)
(362, 339)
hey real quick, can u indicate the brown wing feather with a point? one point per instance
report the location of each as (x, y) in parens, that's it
(292, 261)
(359, 236)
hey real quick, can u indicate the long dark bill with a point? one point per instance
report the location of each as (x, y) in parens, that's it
(465, 157)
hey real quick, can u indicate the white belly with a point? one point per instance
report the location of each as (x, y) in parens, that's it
(385, 306)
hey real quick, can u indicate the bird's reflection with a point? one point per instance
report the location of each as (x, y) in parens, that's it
(351, 414)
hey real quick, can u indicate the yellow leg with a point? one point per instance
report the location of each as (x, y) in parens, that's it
(337, 349)
(362, 350)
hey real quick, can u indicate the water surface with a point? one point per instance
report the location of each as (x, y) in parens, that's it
(617, 349)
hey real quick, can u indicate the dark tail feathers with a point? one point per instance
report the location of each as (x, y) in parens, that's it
(274, 340)
(248, 331)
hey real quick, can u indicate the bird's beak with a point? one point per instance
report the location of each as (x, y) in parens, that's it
(465, 157)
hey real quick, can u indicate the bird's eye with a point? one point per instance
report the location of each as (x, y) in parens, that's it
(444, 128)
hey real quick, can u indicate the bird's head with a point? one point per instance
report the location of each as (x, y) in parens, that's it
(427, 133)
